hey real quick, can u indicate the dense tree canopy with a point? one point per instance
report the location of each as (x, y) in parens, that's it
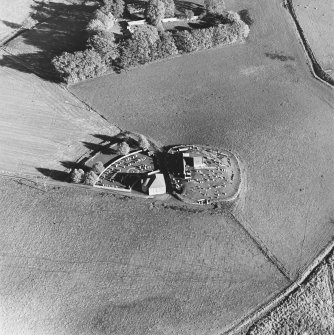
(214, 6)
(155, 12)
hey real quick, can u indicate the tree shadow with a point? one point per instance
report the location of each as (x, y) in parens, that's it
(73, 165)
(54, 174)
(279, 56)
(11, 24)
(244, 15)
(62, 28)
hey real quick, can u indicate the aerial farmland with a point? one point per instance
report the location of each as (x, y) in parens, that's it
(166, 167)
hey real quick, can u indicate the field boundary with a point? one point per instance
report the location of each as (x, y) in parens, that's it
(316, 69)
(279, 298)
(263, 248)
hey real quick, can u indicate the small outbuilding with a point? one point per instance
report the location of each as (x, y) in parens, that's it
(154, 184)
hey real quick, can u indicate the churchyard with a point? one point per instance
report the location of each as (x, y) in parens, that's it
(203, 175)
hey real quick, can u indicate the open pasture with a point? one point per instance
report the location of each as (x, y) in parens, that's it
(258, 99)
(76, 262)
(316, 18)
(12, 15)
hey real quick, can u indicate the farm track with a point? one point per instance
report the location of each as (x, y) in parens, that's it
(317, 70)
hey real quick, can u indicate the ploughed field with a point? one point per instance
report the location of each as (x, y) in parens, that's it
(258, 100)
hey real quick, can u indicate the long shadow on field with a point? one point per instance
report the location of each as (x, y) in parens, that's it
(61, 28)
(279, 56)
(54, 174)
(11, 24)
(244, 15)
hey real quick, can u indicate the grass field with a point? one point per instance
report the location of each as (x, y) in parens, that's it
(42, 125)
(316, 18)
(257, 99)
(75, 261)
(12, 14)
(80, 262)
(307, 310)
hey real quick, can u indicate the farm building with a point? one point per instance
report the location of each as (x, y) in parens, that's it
(154, 184)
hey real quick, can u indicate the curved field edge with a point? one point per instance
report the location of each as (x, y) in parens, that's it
(317, 70)
(271, 316)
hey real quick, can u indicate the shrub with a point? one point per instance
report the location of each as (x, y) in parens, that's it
(189, 14)
(123, 149)
(104, 43)
(155, 12)
(80, 65)
(116, 7)
(76, 176)
(185, 41)
(143, 142)
(214, 6)
(140, 47)
(98, 168)
(165, 46)
(169, 8)
(101, 22)
(90, 178)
